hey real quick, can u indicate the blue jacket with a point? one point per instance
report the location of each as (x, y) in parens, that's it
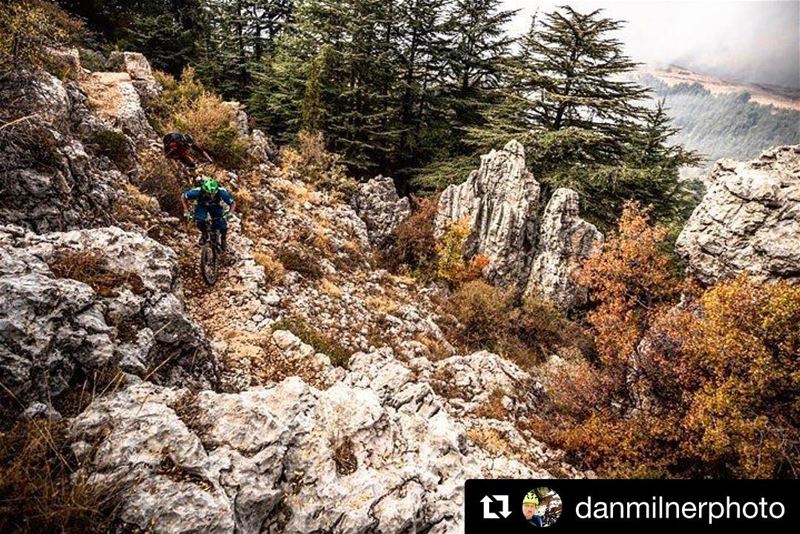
(208, 204)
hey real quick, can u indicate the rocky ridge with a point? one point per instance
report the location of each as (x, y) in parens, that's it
(225, 415)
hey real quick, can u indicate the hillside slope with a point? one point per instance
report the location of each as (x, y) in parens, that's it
(299, 398)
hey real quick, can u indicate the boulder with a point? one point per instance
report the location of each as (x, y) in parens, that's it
(55, 184)
(61, 319)
(66, 61)
(748, 221)
(499, 202)
(115, 99)
(285, 457)
(381, 209)
(138, 68)
(565, 240)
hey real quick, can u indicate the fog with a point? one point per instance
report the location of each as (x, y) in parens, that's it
(754, 41)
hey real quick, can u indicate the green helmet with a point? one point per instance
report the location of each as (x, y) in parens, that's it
(210, 186)
(531, 498)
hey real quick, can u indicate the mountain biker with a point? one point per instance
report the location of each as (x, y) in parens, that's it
(177, 146)
(208, 203)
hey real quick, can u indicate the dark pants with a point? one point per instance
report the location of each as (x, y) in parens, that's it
(181, 154)
(218, 224)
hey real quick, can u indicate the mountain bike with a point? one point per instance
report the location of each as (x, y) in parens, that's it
(211, 252)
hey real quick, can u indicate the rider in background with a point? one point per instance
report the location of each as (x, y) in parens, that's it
(180, 147)
(209, 198)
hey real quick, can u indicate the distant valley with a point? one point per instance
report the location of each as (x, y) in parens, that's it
(721, 118)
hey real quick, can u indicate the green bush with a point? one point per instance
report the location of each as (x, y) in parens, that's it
(114, 145)
(338, 354)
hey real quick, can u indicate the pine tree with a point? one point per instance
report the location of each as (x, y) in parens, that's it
(476, 50)
(422, 107)
(567, 99)
(479, 44)
(340, 55)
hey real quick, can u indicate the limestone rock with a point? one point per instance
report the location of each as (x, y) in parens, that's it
(748, 221)
(54, 330)
(116, 100)
(379, 206)
(140, 72)
(499, 202)
(287, 456)
(261, 148)
(564, 241)
(55, 183)
(67, 61)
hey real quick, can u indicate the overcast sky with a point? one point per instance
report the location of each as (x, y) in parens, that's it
(757, 41)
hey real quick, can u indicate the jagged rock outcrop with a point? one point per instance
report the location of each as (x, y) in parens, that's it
(116, 100)
(89, 300)
(748, 221)
(564, 241)
(499, 202)
(138, 68)
(379, 206)
(55, 184)
(379, 450)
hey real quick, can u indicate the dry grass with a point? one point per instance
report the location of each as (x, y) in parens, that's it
(383, 304)
(42, 490)
(493, 407)
(330, 289)
(90, 268)
(300, 262)
(273, 268)
(443, 384)
(438, 351)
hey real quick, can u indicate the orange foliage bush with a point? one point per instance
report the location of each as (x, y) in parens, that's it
(452, 267)
(412, 245)
(704, 388)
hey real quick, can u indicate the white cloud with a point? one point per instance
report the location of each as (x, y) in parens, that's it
(749, 40)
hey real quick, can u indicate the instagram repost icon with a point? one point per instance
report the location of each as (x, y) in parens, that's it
(541, 507)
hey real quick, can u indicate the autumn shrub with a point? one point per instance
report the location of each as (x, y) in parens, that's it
(189, 107)
(412, 246)
(273, 268)
(703, 386)
(629, 284)
(42, 489)
(162, 180)
(313, 163)
(29, 27)
(490, 318)
(452, 265)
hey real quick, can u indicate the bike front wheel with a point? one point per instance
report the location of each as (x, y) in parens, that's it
(208, 264)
